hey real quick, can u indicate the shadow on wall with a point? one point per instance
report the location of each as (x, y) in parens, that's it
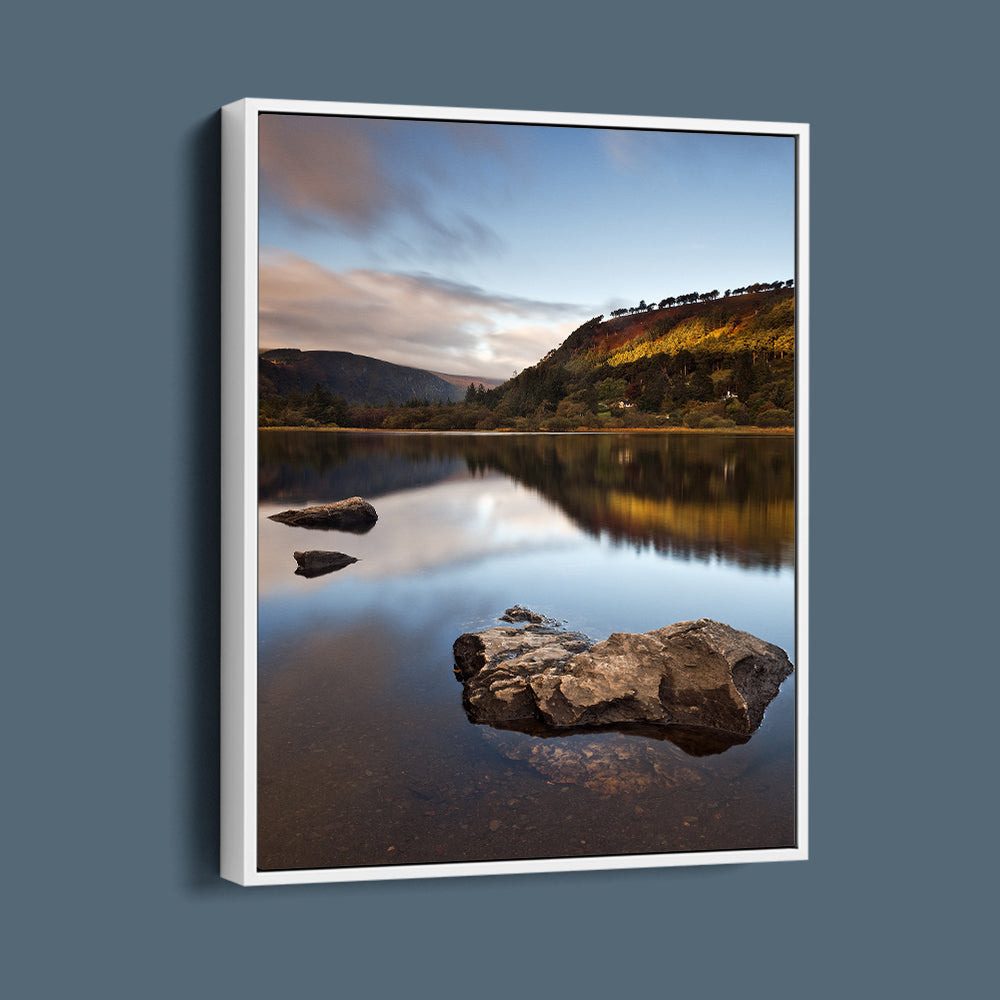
(201, 274)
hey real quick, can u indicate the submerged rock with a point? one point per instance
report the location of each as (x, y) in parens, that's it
(692, 741)
(316, 562)
(619, 765)
(355, 515)
(700, 673)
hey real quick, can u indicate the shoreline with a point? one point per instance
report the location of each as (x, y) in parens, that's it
(740, 431)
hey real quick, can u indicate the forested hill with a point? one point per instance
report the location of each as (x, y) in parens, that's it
(706, 360)
(356, 378)
(700, 360)
(712, 326)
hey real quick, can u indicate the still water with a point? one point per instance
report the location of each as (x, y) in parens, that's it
(366, 756)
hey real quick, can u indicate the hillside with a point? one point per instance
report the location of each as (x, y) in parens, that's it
(707, 361)
(760, 321)
(356, 378)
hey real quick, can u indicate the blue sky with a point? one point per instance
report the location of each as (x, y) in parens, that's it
(474, 248)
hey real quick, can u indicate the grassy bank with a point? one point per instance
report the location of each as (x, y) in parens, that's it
(745, 431)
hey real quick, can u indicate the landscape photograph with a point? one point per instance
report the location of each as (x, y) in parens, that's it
(529, 449)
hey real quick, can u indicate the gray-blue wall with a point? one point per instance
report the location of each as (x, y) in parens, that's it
(110, 368)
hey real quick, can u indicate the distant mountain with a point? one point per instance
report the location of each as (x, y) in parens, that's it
(360, 380)
(464, 381)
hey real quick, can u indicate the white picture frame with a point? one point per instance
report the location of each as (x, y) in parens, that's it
(240, 249)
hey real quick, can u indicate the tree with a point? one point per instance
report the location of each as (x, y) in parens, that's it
(702, 385)
(475, 395)
(318, 403)
(682, 361)
(744, 376)
(737, 412)
(339, 411)
(653, 392)
(774, 418)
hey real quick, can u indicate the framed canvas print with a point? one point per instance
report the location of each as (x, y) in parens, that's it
(515, 511)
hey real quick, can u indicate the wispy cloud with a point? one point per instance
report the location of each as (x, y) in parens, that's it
(632, 150)
(619, 147)
(373, 180)
(410, 319)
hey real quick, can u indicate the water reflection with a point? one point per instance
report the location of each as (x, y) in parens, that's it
(366, 755)
(695, 741)
(703, 496)
(454, 523)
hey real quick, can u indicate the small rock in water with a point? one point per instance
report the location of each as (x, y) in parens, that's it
(354, 514)
(522, 614)
(316, 562)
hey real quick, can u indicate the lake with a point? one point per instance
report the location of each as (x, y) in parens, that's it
(365, 753)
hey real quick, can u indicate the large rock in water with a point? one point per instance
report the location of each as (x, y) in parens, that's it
(355, 514)
(700, 673)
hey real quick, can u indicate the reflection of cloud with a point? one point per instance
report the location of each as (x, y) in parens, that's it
(408, 319)
(357, 174)
(420, 531)
(479, 545)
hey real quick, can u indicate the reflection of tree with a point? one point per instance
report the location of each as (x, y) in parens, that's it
(704, 496)
(693, 495)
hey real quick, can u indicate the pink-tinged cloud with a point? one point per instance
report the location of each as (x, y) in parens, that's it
(408, 319)
(310, 170)
(362, 176)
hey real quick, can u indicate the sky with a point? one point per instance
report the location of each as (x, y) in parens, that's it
(475, 248)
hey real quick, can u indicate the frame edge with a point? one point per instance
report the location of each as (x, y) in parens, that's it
(238, 529)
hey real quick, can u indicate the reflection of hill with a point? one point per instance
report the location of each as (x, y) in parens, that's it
(693, 495)
(706, 496)
(302, 466)
(740, 532)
